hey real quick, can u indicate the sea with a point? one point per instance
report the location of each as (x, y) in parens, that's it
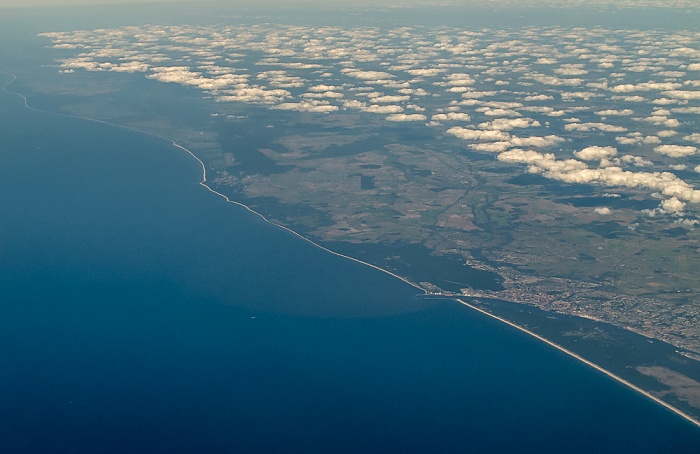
(140, 312)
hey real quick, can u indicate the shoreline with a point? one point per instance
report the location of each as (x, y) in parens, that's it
(204, 184)
(580, 358)
(457, 298)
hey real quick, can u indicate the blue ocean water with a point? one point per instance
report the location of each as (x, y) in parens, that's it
(141, 313)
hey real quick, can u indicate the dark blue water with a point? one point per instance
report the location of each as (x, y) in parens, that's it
(141, 313)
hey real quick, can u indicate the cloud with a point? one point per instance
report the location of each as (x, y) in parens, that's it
(477, 134)
(602, 210)
(451, 116)
(555, 81)
(390, 99)
(375, 108)
(458, 79)
(613, 112)
(593, 126)
(413, 91)
(372, 108)
(503, 104)
(595, 153)
(541, 109)
(686, 110)
(491, 147)
(681, 94)
(541, 162)
(573, 70)
(406, 117)
(664, 101)
(536, 141)
(540, 97)
(427, 72)
(323, 88)
(66, 46)
(253, 94)
(367, 75)
(695, 137)
(327, 94)
(673, 74)
(645, 86)
(658, 118)
(686, 223)
(637, 161)
(636, 139)
(474, 94)
(506, 124)
(676, 151)
(175, 74)
(585, 95)
(672, 205)
(280, 79)
(666, 133)
(489, 112)
(635, 98)
(306, 107)
(131, 67)
(573, 171)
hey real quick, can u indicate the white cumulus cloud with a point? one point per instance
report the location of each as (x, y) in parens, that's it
(595, 153)
(451, 116)
(406, 117)
(506, 124)
(676, 151)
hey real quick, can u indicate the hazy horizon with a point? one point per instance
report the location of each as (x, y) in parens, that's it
(368, 3)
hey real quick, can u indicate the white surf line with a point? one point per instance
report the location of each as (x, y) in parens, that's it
(585, 361)
(204, 182)
(14, 78)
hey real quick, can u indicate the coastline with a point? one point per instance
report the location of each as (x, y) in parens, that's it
(584, 361)
(204, 181)
(204, 184)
